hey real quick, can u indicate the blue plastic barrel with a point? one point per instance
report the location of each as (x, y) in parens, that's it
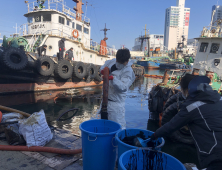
(123, 147)
(141, 159)
(98, 144)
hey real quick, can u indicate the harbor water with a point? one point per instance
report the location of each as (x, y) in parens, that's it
(88, 100)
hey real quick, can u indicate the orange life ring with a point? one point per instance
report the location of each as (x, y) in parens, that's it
(75, 32)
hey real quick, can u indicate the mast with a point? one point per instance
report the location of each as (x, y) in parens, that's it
(105, 30)
(78, 9)
(145, 30)
(145, 38)
(103, 46)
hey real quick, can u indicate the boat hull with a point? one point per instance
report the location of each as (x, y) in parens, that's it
(149, 64)
(168, 66)
(36, 87)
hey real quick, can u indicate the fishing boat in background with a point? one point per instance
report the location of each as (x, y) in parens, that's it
(153, 62)
(207, 63)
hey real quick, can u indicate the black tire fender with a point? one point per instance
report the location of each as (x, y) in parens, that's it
(79, 70)
(172, 100)
(15, 58)
(91, 71)
(99, 75)
(1, 51)
(45, 66)
(64, 69)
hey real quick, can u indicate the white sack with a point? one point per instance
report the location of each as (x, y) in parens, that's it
(10, 117)
(35, 129)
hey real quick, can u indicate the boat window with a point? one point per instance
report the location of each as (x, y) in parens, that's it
(86, 30)
(214, 48)
(47, 17)
(78, 27)
(38, 18)
(61, 20)
(67, 22)
(30, 20)
(203, 47)
(73, 25)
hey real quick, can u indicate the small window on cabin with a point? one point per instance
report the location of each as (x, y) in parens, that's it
(78, 27)
(86, 30)
(203, 47)
(61, 20)
(30, 20)
(73, 25)
(215, 48)
(67, 22)
(38, 18)
(47, 17)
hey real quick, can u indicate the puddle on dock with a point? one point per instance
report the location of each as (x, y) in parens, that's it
(88, 101)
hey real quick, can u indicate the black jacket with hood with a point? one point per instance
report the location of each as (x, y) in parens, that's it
(69, 54)
(203, 114)
(62, 44)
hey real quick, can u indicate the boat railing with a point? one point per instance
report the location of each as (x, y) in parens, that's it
(57, 5)
(211, 31)
(59, 31)
(32, 41)
(51, 28)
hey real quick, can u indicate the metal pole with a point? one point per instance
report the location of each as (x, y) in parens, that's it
(148, 47)
(28, 7)
(104, 113)
(85, 11)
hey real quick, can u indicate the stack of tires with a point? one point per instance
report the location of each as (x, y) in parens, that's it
(16, 59)
(65, 70)
(171, 108)
(173, 103)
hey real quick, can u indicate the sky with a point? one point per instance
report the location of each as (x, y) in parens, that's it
(126, 19)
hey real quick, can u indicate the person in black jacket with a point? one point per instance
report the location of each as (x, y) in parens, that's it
(202, 112)
(42, 49)
(61, 48)
(69, 54)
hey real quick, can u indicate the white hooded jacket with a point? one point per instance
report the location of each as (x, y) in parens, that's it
(118, 87)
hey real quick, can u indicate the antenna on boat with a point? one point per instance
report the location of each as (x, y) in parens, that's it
(105, 30)
(87, 3)
(16, 28)
(145, 30)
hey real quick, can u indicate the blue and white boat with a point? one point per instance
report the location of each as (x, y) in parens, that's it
(153, 62)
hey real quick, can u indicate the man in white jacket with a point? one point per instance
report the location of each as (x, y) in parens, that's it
(121, 78)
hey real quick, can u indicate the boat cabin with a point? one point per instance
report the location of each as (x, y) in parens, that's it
(209, 52)
(57, 19)
(50, 21)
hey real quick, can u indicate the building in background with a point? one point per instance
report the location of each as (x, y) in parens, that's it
(216, 14)
(176, 25)
(156, 41)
